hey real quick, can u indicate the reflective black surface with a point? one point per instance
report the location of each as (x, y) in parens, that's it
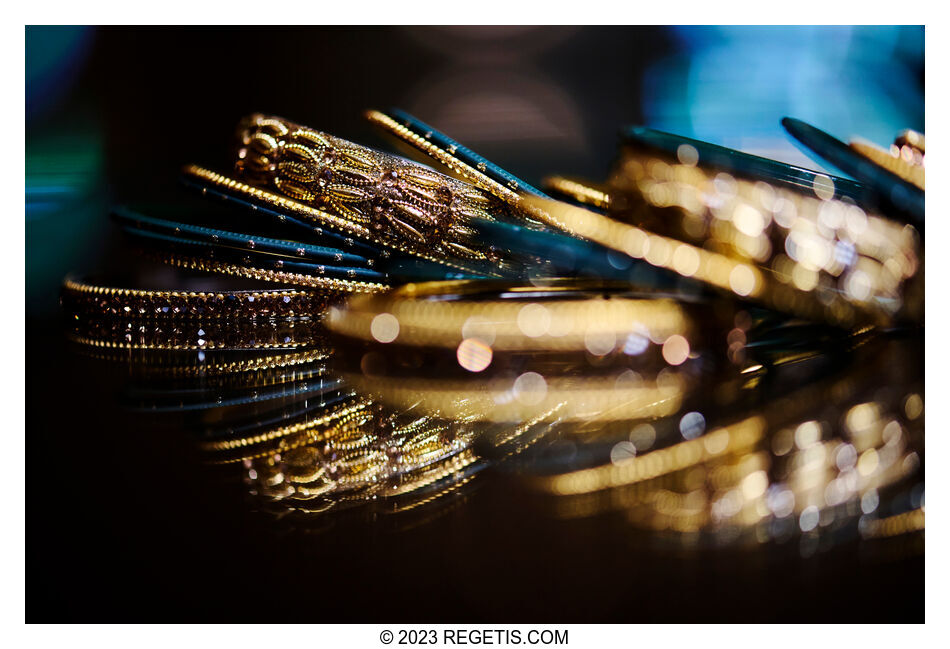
(126, 523)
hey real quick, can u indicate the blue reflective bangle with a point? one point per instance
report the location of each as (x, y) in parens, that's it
(892, 190)
(191, 233)
(326, 235)
(275, 254)
(254, 259)
(571, 257)
(738, 162)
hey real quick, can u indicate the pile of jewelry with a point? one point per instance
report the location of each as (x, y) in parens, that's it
(719, 347)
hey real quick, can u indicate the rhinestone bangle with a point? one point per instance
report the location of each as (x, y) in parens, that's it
(80, 297)
(172, 334)
(331, 285)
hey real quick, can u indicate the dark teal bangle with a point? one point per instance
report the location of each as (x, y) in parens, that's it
(895, 194)
(740, 163)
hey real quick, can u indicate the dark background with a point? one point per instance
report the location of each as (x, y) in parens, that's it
(123, 521)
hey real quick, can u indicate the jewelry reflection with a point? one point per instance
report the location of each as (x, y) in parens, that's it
(828, 463)
(305, 442)
(364, 454)
(559, 349)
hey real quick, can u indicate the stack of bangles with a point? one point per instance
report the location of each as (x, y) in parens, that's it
(331, 218)
(706, 340)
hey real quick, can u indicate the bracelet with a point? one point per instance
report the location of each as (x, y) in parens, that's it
(329, 423)
(303, 473)
(213, 378)
(756, 168)
(732, 246)
(905, 523)
(249, 250)
(499, 330)
(312, 384)
(579, 192)
(212, 368)
(913, 140)
(249, 271)
(905, 162)
(383, 198)
(556, 315)
(79, 297)
(188, 335)
(740, 437)
(888, 192)
(466, 163)
(813, 252)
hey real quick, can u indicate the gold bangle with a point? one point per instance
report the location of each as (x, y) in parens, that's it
(336, 287)
(908, 169)
(196, 335)
(740, 437)
(325, 426)
(582, 192)
(379, 197)
(510, 195)
(906, 523)
(543, 316)
(354, 453)
(871, 292)
(912, 139)
(811, 254)
(102, 301)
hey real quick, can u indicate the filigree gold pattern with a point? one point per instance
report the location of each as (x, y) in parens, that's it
(401, 204)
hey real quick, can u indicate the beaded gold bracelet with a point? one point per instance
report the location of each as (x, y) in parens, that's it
(578, 191)
(332, 286)
(355, 464)
(213, 367)
(195, 335)
(333, 422)
(100, 301)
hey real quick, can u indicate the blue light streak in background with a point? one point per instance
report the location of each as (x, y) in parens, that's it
(732, 85)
